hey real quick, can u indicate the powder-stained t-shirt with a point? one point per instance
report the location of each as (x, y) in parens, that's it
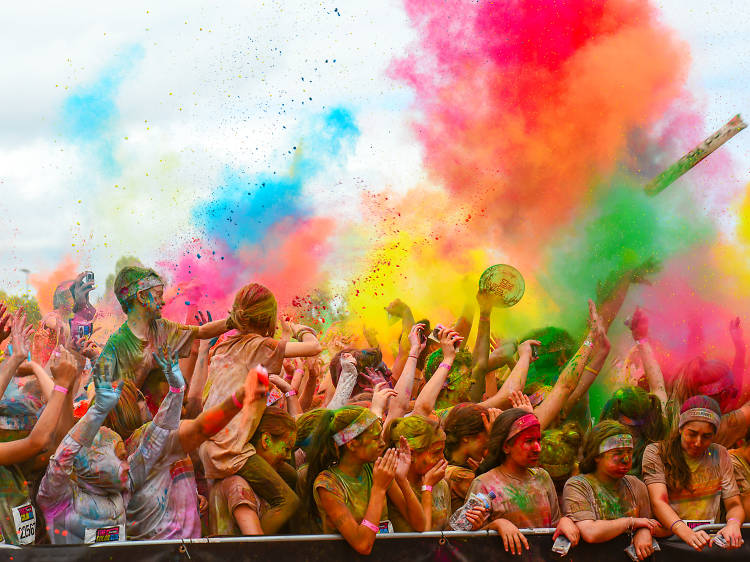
(587, 499)
(166, 505)
(227, 451)
(741, 472)
(459, 480)
(354, 492)
(441, 504)
(14, 492)
(226, 496)
(528, 502)
(127, 357)
(712, 479)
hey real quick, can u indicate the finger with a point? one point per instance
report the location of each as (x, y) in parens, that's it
(505, 542)
(514, 546)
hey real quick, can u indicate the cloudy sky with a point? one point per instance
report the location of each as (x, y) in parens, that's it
(118, 118)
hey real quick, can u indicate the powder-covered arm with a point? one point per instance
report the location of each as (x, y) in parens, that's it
(425, 402)
(347, 380)
(516, 379)
(400, 402)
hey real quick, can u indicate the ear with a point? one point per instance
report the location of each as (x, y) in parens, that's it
(265, 441)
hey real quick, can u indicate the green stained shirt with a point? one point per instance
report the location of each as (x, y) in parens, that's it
(441, 505)
(13, 493)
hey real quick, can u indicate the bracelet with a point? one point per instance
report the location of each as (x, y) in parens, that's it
(446, 365)
(299, 371)
(290, 393)
(176, 389)
(588, 343)
(675, 523)
(62, 389)
(413, 356)
(370, 525)
(234, 399)
(590, 370)
(734, 519)
(630, 525)
(301, 333)
(641, 341)
(426, 488)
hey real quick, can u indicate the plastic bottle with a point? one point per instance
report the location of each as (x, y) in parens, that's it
(459, 522)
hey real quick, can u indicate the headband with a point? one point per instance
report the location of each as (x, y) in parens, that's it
(522, 424)
(134, 287)
(700, 414)
(356, 428)
(620, 441)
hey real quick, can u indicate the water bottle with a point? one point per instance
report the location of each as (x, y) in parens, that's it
(458, 521)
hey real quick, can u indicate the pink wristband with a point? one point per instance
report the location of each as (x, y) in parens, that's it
(236, 402)
(446, 365)
(426, 488)
(62, 389)
(176, 389)
(641, 341)
(370, 525)
(290, 393)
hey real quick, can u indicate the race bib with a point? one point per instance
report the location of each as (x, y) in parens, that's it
(24, 519)
(693, 523)
(385, 527)
(116, 533)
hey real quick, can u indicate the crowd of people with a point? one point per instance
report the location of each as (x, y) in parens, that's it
(253, 424)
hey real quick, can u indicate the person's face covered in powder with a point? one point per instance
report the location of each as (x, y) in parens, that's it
(525, 448)
(152, 301)
(696, 437)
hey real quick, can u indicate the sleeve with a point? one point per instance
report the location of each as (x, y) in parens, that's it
(55, 486)
(733, 426)
(643, 502)
(476, 487)
(740, 476)
(105, 368)
(273, 355)
(729, 487)
(180, 334)
(328, 482)
(576, 500)
(554, 503)
(238, 492)
(347, 380)
(460, 480)
(155, 440)
(652, 467)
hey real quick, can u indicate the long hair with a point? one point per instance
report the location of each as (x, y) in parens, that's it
(498, 434)
(125, 417)
(254, 310)
(306, 424)
(559, 450)
(464, 420)
(276, 422)
(676, 470)
(594, 438)
(642, 413)
(324, 452)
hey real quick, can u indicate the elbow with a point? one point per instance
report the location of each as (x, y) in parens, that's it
(364, 547)
(588, 535)
(315, 349)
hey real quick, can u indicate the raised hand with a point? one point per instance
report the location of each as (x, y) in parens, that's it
(384, 469)
(417, 338)
(380, 395)
(489, 418)
(638, 324)
(436, 473)
(526, 349)
(203, 319)
(64, 367)
(6, 321)
(735, 330)
(404, 459)
(168, 361)
(596, 325)
(450, 340)
(19, 334)
(519, 400)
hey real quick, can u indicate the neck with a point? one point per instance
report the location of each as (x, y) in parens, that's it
(412, 476)
(513, 468)
(138, 324)
(350, 466)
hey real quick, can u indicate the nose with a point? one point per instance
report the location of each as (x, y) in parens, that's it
(537, 447)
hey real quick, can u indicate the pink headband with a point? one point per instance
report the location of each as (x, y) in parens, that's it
(521, 424)
(700, 414)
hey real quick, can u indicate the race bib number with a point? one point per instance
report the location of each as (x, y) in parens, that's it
(693, 523)
(24, 519)
(116, 533)
(385, 527)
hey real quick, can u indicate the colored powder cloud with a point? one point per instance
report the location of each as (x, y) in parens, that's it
(90, 115)
(45, 282)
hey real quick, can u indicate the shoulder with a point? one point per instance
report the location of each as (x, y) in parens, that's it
(538, 473)
(635, 483)
(328, 481)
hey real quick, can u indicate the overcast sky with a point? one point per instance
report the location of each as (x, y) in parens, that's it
(186, 89)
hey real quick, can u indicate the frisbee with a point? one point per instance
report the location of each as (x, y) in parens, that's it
(505, 282)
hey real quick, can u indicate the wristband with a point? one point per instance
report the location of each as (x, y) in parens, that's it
(734, 519)
(290, 393)
(370, 525)
(236, 402)
(413, 356)
(426, 488)
(62, 389)
(446, 365)
(484, 318)
(641, 341)
(590, 370)
(675, 523)
(176, 389)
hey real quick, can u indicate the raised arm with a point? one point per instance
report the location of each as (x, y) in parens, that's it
(40, 439)
(481, 353)
(347, 381)
(400, 403)
(738, 365)
(19, 336)
(307, 344)
(399, 309)
(214, 329)
(516, 379)
(639, 328)
(425, 403)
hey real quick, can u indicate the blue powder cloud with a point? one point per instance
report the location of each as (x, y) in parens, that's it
(89, 114)
(246, 205)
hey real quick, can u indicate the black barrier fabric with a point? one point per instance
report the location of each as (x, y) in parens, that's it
(486, 548)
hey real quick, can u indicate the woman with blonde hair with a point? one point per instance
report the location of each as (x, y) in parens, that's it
(229, 452)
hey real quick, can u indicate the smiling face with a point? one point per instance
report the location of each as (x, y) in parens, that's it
(615, 463)
(524, 448)
(696, 437)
